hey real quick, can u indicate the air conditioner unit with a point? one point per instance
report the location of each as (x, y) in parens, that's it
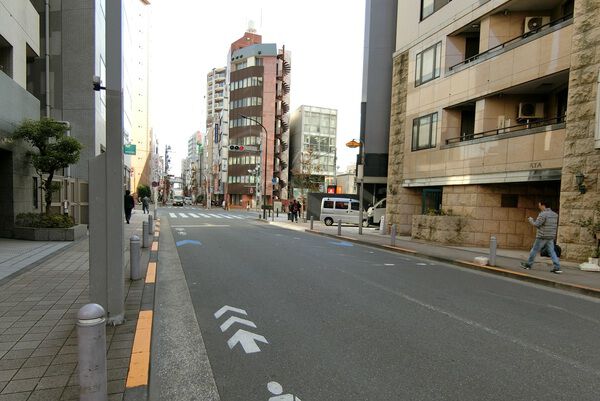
(534, 23)
(528, 111)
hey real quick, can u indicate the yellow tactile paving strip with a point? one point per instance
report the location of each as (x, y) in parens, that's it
(140, 355)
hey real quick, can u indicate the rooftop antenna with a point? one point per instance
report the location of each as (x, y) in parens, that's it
(251, 27)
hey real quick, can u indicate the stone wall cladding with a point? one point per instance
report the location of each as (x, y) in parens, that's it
(580, 154)
(402, 203)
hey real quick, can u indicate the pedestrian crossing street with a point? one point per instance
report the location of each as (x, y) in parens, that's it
(209, 215)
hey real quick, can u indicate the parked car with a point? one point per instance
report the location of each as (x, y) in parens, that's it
(375, 212)
(187, 200)
(177, 200)
(344, 209)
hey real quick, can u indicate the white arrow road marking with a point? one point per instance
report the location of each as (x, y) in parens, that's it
(181, 233)
(247, 340)
(227, 308)
(235, 319)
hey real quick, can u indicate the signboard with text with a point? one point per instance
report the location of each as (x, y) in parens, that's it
(129, 149)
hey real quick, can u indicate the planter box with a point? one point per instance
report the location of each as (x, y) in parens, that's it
(50, 234)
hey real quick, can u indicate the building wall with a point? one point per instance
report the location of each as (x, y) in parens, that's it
(19, 26)
(581, 151)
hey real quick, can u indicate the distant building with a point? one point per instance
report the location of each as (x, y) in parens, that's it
(213, 171)
(346, 181)
(313, 134)
(258, 76)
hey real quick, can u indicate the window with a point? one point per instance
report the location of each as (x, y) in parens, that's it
(509, 200)
(341, 205)
(328, 204)
(426, 8)
(354, 205)
(432, 201)
(6, 57)
(424, 132)
(428, 64)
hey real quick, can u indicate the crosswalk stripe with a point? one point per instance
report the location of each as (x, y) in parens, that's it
(204, 215)
(194, 215)
(238, 217)
(173, 215)
(226, 216)
(183, 215)
(216, 215)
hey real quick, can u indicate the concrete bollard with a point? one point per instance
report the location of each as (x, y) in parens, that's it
(393, 235)
(135, 272)
(493, 247)
(151, 225)
(155, 207)
(312, 222)
(339, 227)
(382, 226)
(91, 340)
(145, 234)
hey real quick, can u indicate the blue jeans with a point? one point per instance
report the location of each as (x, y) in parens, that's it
(540, 244)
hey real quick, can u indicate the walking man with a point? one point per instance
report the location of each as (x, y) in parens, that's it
(145, 204)
(129, 205)
(547, 225)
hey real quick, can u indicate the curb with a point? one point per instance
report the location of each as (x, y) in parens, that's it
(578, 289)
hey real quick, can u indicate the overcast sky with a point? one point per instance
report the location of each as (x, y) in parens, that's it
(190, 37)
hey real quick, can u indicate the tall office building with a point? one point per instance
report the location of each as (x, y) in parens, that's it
(213, 174)
(495, 107)
(313, 132)
(258, 76)
(19, 46)
(380, 40)
(136, 31)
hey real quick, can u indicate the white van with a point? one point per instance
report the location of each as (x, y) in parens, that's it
(345, 209)
(374, 213)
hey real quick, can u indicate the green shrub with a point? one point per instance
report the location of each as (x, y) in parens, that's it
(144, 190)
(37, 220)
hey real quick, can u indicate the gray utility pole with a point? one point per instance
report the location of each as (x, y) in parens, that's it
(106, 185)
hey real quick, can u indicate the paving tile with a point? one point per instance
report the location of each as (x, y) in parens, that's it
(38, 361)
(30, 373)
(33, 337)
(6, 364)
(5, 346)
(53, 343)
(15, 396)
(2, 384)
(121, 345)
(74, 379)
(6, 375)
(119, 353)
(61, 369)
(53, 382)
(18, 386)
(52, 394)
(117, 374)
(116, 386)
(70, 393)
(18, 354)
(68, 349)
(115, 397)
(26, 345)
(61, 359)
(46, 351)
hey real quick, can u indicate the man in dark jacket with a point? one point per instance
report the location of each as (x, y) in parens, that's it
(129, 205)
(547, 226)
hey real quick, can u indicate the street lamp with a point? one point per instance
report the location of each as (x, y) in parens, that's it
(360, 175)
(266, 146)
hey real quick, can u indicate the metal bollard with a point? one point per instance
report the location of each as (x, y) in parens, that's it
(91, 340)
(493, 247)
(145, 234)
(155, 207)
(151, 225)
(382, 226)
(393, 235)
(134, 258)
(339, 227)
(259, 216)
(312, 222)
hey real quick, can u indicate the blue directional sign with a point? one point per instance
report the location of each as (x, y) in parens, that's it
(341, 243)
(188, 241)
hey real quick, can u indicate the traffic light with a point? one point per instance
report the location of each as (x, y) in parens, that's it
(236, 148)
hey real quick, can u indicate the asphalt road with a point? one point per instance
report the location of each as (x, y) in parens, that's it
(347, 322)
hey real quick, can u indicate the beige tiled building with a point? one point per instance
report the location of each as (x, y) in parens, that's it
(494, 107)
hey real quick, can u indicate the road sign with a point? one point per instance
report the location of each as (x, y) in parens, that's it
(129, 149)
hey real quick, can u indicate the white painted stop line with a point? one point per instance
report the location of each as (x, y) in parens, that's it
(173, 215)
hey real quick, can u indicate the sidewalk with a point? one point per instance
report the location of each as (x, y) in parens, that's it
(38, 337)
(507, 260)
